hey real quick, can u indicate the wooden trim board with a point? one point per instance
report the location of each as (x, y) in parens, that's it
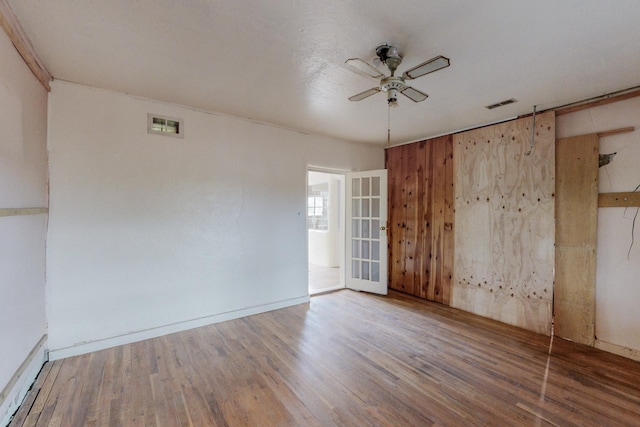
(619, 200)
(629, 353)
(22, 211)
(616, 131)
(597, 103)
(9, 22)
(576, 225)
(23, 367)
(609, 132)
(19, 384)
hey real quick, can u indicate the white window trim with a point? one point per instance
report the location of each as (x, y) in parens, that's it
(150, 130)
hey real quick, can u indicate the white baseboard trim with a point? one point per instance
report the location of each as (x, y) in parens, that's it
(327, 290)
(618, 349)
(14, 392)
(88, 347)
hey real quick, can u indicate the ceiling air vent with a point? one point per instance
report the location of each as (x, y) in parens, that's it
(162, 125)
(501, 103)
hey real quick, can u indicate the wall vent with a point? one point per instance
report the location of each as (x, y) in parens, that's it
(162, 125)
(501, 103)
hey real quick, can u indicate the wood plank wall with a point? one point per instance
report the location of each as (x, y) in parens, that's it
(421, 218)
(576, 235)
(504, 216)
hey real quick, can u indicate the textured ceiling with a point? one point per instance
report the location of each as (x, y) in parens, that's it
(282, 61)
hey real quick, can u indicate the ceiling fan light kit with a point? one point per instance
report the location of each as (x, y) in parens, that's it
(393, 84)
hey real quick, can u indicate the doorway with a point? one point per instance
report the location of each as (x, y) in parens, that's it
(325, 230)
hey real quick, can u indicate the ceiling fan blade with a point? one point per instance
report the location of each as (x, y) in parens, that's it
(414, 94)
(365, 94)
(434, 64)
(364, 67)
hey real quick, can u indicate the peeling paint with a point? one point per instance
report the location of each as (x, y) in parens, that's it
(605, 159)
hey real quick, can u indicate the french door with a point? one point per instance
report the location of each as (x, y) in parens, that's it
(366, 231)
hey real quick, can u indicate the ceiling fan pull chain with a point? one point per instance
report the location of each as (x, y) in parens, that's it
(388, 126)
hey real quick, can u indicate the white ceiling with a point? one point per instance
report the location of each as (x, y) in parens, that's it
(282, 61)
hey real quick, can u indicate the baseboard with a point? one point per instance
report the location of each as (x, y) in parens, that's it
(327, 290)
(618, 349)
(14, 392)
(88, 347)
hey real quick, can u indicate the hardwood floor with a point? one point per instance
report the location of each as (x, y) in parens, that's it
(322, 279)
(346, 358)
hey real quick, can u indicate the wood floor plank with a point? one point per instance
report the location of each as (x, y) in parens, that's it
(345, 359)
(28, 412)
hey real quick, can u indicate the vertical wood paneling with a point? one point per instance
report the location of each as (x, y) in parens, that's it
(419, 184)
(421, 218)
(449, 213)
(504, 216)
(438, 202)
(411, 221)
(394, 159)
(576, 226)
(427, 214)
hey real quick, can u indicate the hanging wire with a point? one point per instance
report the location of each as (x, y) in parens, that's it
(633, 226)
(633, 231)
(533, 132)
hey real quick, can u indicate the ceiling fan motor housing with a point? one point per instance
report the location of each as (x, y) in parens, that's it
(390, 56)
(393, 84)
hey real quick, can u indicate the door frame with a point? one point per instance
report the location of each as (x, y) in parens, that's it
(342, 215)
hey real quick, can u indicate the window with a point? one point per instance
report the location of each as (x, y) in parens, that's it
(164, 126)
(316, 204)
(317, 207)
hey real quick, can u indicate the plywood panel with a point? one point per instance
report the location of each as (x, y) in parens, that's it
(504, 216)
(421, 218)
(576, 226)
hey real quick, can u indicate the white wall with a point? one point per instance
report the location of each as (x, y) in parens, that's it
(23, 183)
(618, 270)
(150, 231)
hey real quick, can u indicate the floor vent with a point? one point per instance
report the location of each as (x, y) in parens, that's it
(501, 103)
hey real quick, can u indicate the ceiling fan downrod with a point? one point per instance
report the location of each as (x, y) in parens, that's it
(389, 56)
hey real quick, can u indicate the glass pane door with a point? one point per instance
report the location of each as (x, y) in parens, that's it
(366, 231)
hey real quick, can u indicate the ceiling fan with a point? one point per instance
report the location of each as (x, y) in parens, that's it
(393, 84)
